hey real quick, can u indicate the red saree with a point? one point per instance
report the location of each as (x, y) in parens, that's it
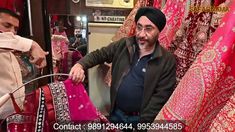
(204, 98)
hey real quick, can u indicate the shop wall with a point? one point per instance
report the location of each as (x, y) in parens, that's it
(101, 35)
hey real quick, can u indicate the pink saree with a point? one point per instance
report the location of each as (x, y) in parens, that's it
(59, 102)
(204, 98)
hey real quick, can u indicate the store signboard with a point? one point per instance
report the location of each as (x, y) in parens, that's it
(111, 3)
(115, 19)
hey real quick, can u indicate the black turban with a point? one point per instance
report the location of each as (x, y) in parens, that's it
(153, 14)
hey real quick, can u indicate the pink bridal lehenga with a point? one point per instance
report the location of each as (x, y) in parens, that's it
(54, 104)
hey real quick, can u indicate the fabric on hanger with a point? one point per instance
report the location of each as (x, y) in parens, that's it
(174, 11)
(208, 88)
(191, 37)
(58, 102)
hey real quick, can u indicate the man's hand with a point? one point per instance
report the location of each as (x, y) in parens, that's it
(38, 55)
(77, 73)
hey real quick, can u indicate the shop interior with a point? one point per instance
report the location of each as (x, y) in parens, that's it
(69, 29)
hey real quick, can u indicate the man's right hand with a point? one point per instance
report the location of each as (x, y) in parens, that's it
(38, 55)
(77, 73)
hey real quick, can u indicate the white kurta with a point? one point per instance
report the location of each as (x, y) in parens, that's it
(10, 73)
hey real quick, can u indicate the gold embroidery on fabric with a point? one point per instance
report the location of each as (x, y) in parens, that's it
(220, 120)
(173, 114)
(225, 118)
(18, 118)
(231, 113)
(186, 106)
(208, 56)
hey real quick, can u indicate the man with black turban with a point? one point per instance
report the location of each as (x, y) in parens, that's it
(143, 72)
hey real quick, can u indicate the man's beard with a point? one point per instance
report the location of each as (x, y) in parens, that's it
(143, 46)
(146, 45)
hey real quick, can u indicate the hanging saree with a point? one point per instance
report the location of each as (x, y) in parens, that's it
(53, 105)
(204, 99)
(191, 37)
(174, 11)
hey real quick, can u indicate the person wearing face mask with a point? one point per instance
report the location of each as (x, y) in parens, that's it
(10, 73)
(143, 72)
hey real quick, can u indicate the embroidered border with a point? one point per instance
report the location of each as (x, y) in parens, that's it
(60, 101)
(40, 112)
(18, 119)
